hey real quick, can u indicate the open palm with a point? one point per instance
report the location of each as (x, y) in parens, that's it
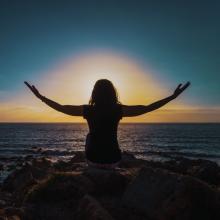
(180, 88)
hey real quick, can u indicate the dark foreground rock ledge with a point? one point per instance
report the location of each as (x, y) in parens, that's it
(180, 189)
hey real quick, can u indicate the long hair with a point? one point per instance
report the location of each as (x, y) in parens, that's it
(104, 93)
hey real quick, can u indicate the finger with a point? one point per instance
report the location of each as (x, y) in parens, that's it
(34, 88)
(186, 85)
(178, 87)
(28, 85)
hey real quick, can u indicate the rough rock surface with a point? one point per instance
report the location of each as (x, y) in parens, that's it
(90, 208)
(160, 194)
(178, 189)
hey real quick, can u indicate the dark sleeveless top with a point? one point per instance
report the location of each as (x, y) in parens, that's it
(101, 142)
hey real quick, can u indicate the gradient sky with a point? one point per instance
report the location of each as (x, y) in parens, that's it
(174, 40)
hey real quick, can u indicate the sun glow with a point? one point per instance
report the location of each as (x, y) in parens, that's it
(77, 77)
(71, 82)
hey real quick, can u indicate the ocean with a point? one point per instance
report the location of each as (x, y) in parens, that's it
(58, 141)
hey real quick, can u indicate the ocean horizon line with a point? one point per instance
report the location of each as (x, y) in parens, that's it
(120, 122)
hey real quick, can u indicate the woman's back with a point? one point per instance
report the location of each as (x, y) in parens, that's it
(101, 144)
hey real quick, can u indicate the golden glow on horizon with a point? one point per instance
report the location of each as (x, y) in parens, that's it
(39, 113)
(71, 82)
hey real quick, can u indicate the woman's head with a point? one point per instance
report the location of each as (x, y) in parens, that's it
(103, 93)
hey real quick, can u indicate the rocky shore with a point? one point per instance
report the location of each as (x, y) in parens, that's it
(180, 189)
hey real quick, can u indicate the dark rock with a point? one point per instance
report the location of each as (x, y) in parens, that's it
(57, 197)
(66, 166)
(49, 211)
(61, 165)
(90, 208)
(14, 217)
(11, 167)
(129, 161)
(79, 156)
(41, 163)
(5, 199)
(2, 212)
(21, 180)
(128, 156)
(137, 190)
(18, 181)
(12, 211)
(28, 157)
(2, 203)
(205, 170)
(160, 194)
(59, 187)
(108, 181)
(115, 207)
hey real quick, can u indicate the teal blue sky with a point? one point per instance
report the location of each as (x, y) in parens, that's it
(178, 39)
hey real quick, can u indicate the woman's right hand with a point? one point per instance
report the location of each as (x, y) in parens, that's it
(180, 89)
(33, 89)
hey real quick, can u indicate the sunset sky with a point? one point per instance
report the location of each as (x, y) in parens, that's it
(146, 48)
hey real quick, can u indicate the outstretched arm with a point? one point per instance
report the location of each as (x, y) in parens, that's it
(135, 110)
(67, 109)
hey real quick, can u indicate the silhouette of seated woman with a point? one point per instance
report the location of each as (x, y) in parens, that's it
(103, 114)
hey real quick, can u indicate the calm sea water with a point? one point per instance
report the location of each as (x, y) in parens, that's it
(148, 141)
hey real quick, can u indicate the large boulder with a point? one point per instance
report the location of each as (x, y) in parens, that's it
(205, 170)
(36, 170)
(163, 195)
(59, 187)
(21, 180)
(57, 197)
